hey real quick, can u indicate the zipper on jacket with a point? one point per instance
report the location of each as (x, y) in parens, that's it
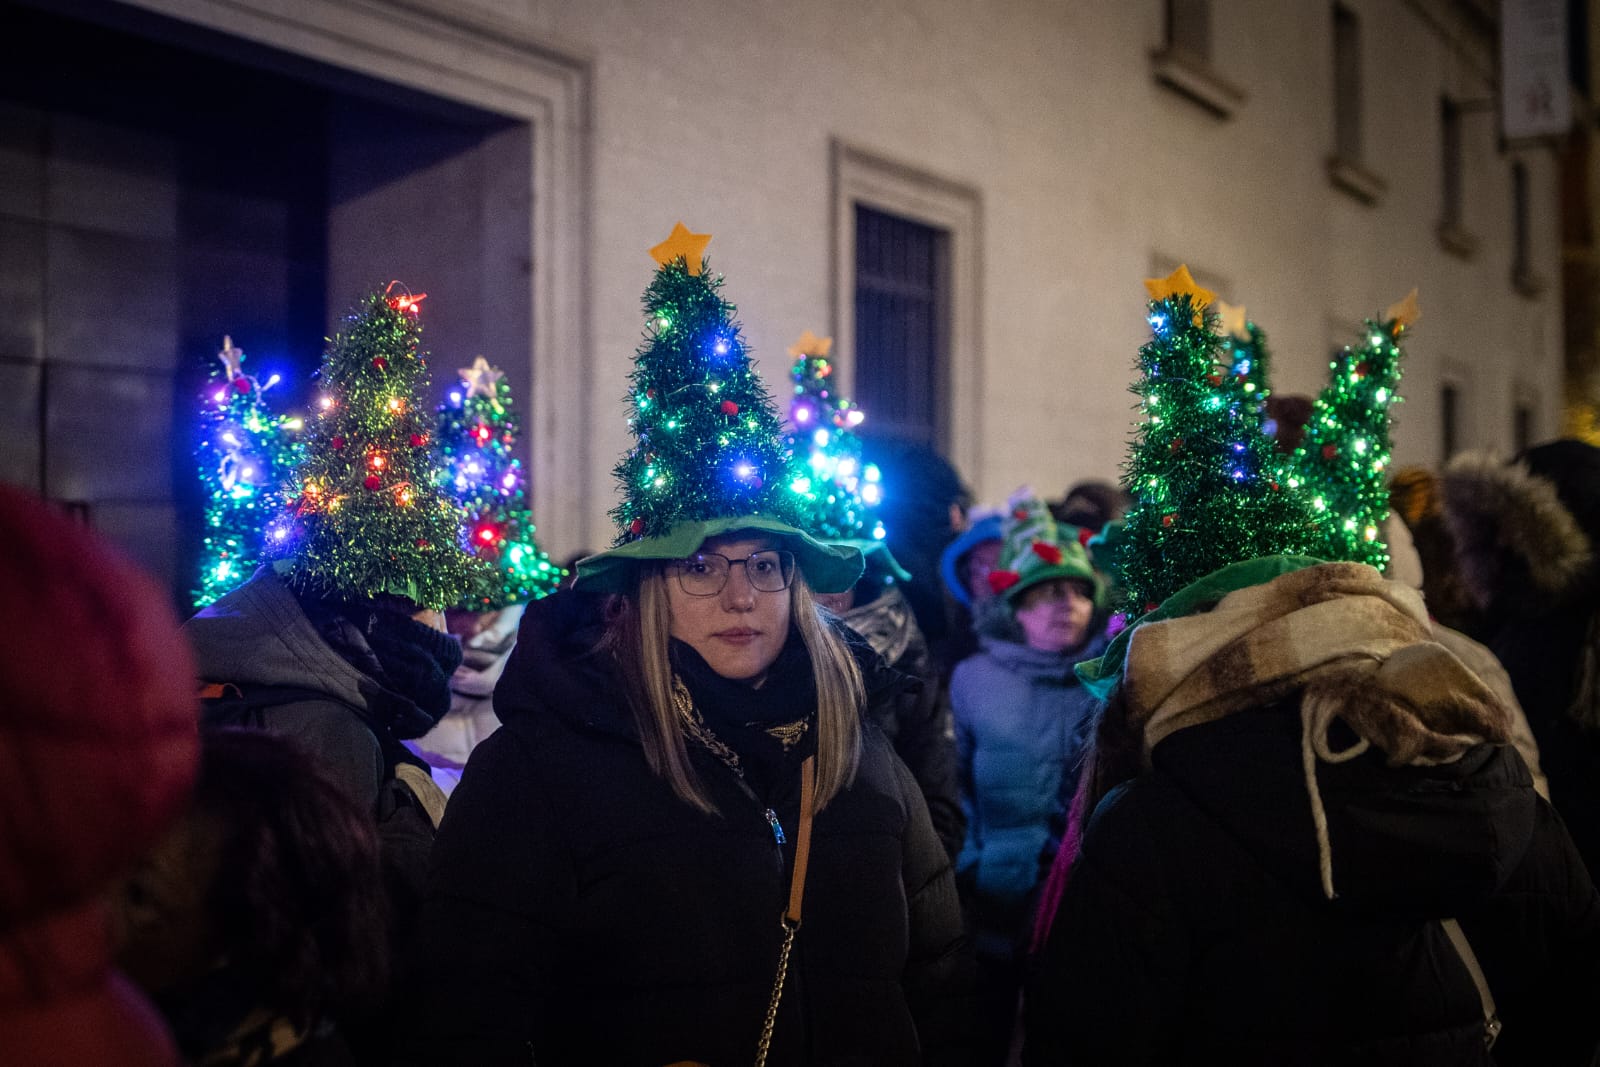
(777, 827)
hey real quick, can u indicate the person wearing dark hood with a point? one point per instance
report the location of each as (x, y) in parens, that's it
(683, 844)
(1525, 534)
(340, 643)
(1311, 843)
(1022, 723)
(919, 724)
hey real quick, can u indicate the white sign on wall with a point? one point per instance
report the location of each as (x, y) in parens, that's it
(1534, 98)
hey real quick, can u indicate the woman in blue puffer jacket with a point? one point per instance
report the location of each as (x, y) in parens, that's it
(1022, 722)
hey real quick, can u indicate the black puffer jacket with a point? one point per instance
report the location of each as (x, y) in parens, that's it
(1194, 929)
(580, 913)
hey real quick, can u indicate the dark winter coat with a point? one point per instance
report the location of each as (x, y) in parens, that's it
(1526, 537)
(338, 703)
(580, 913)
(1194, 929)
(918, 722)
(1022, 722)
(260, 639)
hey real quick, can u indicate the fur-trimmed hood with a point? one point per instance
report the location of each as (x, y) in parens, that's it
(1518, 545)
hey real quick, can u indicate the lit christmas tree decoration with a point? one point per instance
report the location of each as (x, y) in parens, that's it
(1209, 489)
(366, 516)
(246, 454)
(1345, 454)
(475, 431)
(706, 433)
(1249, 359)
(841, 491)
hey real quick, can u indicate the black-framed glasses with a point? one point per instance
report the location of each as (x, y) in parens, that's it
(706, 573)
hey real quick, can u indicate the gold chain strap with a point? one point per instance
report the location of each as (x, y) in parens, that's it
(797, 890)
(777, 993)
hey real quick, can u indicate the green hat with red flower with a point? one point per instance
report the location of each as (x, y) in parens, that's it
(1035, 548)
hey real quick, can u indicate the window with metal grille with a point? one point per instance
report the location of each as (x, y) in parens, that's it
(1522, 425)
(1346, 84)
(902, 326)
(1449, 414)
(1522, 261)
(1189, 27)
(1450, 163)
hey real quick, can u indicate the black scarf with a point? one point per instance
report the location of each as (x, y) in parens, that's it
(740, 714)
(408, 659)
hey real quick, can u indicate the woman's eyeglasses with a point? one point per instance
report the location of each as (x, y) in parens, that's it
(706, 573)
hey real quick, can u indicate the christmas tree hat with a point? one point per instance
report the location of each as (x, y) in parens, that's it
(474, 432)
(246, 455)
(1346, 450)
(842, 492)
(707, 458)
(1216, 508)
(367, 516)
(1035, 548)
(1249, 360)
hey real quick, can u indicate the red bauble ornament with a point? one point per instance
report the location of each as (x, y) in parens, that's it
(1047, 552)
(380, 363)
(651, 393)
(1274, 486)
(730, 408)
(1329, 451)
(636, 527)
(418, 440)
(1361, 369)
(373, 482)
(242, 384)
(1000, 581)
(422, 542)
(337, 442)
(1177, 443)
(1215, 377)
(1169, 518)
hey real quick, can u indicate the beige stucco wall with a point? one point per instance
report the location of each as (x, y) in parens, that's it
(721, 113)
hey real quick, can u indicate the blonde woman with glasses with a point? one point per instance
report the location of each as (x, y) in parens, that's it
(616, 880)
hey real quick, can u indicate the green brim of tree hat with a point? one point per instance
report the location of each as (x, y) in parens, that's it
(828, 567)
(878, 559)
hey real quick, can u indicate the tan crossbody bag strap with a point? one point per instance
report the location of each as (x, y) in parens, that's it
(797, 892)
(1491, 1015)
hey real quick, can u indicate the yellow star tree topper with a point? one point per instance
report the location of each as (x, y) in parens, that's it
(811, 345)
(1233, 319)
(481, 378)
(1179, 282)
(691, 246)
(1403, 313)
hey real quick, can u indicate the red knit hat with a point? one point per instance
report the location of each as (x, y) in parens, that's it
(98, 745)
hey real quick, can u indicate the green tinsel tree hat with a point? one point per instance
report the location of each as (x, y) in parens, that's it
(707, 458)
(1035, 548)
(1216, 508)
(367, 517)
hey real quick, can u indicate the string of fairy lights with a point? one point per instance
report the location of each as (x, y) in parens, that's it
(367, 495)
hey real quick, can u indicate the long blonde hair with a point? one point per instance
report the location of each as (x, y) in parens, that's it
(638, 633)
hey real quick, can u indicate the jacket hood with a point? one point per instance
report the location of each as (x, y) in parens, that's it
(258, 634)
(1518, 545)
(557, 667)
(887, 623)
(1412, 842)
